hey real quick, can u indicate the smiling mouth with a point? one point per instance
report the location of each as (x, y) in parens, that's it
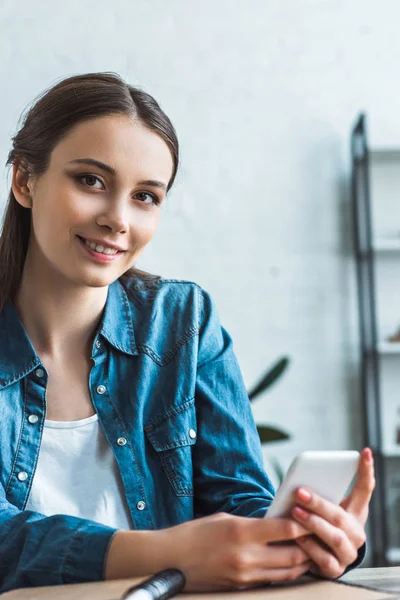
(100, 248)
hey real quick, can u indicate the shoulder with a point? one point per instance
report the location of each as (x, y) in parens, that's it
(166, 308)
(163, 315)
(151, 285)
(149, 294)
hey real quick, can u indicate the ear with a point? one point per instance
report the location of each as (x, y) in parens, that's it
(22, 186)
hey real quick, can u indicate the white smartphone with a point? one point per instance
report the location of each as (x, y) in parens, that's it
(327, 473)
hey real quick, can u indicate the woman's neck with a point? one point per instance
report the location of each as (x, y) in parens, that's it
(59, 316)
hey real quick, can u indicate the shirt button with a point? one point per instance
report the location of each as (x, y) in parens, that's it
(22, 476)
(121, 441)
(98, 344)
(101, 389)
(39, 373)
(33, 419)
(141, 505)
(192, 434)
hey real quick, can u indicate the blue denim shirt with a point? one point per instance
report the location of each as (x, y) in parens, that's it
(166, 380)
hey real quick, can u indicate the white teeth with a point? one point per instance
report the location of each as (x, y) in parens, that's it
(100, 248)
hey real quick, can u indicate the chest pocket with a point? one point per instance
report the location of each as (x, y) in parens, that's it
(172, 439)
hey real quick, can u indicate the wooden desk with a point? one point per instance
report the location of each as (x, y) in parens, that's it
(386, 578)
(383, 580)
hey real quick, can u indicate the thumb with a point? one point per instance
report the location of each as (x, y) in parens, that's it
(358, 500)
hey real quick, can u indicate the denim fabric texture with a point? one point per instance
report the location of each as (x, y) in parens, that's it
(165, 378)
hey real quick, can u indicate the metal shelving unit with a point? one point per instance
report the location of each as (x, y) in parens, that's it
(373, 348)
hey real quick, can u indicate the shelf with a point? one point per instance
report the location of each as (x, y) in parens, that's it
(381, 154)
(377, 240)
(388, 348)
(392, 452)
(393, 555)
(387, 244)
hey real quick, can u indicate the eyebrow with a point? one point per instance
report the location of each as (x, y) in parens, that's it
(101, 165)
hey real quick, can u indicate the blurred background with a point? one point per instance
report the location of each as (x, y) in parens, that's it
(264, 96)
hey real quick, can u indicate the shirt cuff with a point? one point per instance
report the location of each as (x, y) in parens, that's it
(87, 552)
(361, 555)
(356, 563)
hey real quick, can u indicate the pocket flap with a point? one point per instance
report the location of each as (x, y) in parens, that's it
(175, 430)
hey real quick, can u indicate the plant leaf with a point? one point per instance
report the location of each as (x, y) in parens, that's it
(270, 434)
(270, 377)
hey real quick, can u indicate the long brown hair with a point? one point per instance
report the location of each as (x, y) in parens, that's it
(61, 107)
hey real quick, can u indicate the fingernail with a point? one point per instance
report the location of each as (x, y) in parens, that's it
(367, 454)
(300, 513)
(304, 495)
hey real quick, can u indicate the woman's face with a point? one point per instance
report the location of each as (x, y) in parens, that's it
(115, 206)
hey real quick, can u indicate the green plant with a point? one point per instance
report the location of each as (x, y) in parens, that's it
(270, 434)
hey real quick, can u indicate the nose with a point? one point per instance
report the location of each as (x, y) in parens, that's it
(114, 217)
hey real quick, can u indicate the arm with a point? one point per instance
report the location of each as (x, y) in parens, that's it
(217, 552)
(228, 467)
(38, 550)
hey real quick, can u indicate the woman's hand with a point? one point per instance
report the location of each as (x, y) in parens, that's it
(338, 531)
(224, 551)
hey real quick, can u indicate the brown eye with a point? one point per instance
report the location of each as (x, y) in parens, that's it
(151, 198)
(88, 179)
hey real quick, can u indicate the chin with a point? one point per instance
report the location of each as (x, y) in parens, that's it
(98, 280)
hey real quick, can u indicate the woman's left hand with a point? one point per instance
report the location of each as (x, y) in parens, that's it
(338, 531)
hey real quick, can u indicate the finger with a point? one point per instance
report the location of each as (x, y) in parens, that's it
(275, 575)
(364, 486)
(336, 539)
(333, 513)
(276, 530)
(336, 515)
(262, 576)
(280, 556)
(327, 563)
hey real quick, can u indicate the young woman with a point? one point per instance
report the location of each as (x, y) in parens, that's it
(127, 442)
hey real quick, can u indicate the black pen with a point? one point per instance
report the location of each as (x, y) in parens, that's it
(160, 586)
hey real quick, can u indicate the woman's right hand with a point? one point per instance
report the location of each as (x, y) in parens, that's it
(224, 551)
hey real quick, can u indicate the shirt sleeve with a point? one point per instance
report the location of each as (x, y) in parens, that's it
(38, 550)
(229, 474)
(360, 557)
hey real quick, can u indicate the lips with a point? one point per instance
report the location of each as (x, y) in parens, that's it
(98, 257)
(103, 243)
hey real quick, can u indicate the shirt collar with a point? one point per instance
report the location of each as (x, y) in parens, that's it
(117, 322)
(18, 356)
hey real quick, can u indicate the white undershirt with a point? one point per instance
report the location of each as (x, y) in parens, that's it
(77, 475)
